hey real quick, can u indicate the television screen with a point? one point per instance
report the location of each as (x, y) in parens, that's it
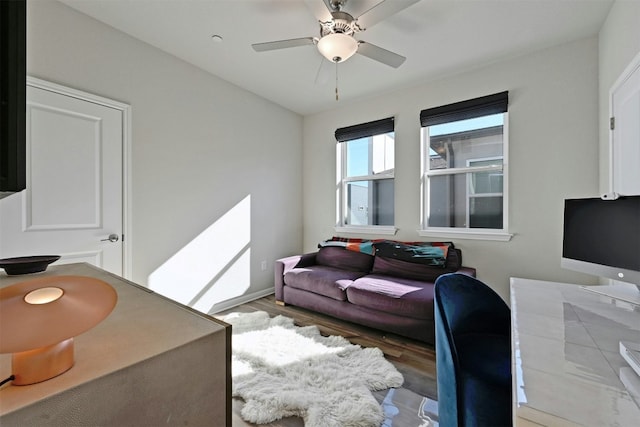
(602, 237)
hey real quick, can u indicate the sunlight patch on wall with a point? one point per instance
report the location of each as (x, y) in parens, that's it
(213, 267)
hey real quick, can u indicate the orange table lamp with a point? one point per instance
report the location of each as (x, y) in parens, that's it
(40, 317)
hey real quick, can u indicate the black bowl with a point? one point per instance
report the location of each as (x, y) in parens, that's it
(27, 264)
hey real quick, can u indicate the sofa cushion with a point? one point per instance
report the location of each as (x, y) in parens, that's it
(454, 260)
(406, 297)
(323, 280)
(408, 270)
(344, 259)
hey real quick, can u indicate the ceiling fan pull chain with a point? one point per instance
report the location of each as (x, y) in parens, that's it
(336, 80)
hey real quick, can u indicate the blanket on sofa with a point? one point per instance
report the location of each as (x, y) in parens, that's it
(429, 253)
(356, 245)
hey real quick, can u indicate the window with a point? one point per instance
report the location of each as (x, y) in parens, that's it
(464, 148)
(365, 160)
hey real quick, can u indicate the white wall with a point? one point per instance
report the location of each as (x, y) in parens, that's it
(619, 43)
(201, 146)
(553, 143)
(194, 157)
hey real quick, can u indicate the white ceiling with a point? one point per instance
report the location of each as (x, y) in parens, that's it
(438, 37)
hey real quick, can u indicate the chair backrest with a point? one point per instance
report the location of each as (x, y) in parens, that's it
(463, 305)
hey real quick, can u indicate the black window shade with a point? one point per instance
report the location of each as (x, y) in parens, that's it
(364, 130)
(472, 108)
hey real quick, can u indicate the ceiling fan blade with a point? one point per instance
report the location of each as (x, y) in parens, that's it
(283, 44)
(382, 10)
(381, 55)
(320, 9)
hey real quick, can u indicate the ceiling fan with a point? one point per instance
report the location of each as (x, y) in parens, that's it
(338, 28)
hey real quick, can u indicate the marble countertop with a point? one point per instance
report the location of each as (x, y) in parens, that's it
(567, 369)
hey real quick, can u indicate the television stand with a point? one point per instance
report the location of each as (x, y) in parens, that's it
(624, 292)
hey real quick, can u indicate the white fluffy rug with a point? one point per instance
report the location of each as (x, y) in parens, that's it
(282, 370)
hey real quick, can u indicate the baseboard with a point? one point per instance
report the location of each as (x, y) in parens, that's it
(234, 302)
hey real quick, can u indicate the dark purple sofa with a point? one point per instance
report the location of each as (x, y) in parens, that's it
(381, 292)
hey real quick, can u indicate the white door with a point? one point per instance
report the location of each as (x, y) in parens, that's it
(73, 201)
(625, 135)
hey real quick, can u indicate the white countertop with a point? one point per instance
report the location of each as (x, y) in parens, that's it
(567, 367)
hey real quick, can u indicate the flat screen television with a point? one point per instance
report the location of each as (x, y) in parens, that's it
(602, 237)
(13, 92)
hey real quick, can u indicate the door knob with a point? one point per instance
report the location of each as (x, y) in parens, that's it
(112, 238)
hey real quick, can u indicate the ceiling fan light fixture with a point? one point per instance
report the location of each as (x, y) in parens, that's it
(337, 47)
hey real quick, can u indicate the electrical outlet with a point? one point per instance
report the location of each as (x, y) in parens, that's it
(263, 265)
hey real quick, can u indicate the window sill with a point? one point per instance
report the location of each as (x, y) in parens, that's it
(498, 236)
(360, 229)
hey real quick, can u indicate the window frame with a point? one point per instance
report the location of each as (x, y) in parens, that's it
(342, 182)
(502, 234)
(489, 168)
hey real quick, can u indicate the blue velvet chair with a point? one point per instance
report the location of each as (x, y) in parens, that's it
(473, 353)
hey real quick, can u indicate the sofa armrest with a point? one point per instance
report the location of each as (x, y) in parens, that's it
(469, 271)
(283, 265)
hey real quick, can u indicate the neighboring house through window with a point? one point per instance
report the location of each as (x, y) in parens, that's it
(365, 167)
(464, 171)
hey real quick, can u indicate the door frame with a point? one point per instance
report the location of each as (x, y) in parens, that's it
(631, 68)
(125, 111)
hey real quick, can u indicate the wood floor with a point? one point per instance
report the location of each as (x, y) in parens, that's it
(415, 360)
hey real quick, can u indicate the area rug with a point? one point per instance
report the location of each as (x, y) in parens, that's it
(281, 370)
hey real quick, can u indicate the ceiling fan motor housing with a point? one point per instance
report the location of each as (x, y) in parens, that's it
(342, 23)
